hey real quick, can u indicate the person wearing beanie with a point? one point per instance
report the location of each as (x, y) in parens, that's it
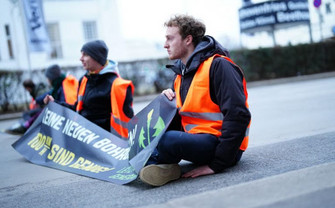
(53, 72)
(97, 50)
(63, 88)
(104, 97)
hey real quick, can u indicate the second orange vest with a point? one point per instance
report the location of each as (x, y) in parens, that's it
(118, 120)
(70, 87)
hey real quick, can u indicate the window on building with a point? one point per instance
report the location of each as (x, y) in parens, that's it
(9, 42)
(55, 42)
(90, 30)
(328, 9)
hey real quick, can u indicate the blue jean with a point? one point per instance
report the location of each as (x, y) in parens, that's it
(175, 146)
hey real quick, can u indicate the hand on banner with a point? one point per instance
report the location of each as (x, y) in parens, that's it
(169, 94)
(199, 171)
(48, 98)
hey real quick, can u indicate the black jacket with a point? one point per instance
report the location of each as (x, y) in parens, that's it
(97, 100)
(226, 90)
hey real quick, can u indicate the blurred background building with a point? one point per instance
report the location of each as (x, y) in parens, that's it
(71, 23)
(35, 34)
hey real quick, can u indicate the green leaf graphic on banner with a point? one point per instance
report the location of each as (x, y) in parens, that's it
(148, 124)
(141, 139)
(159, 126)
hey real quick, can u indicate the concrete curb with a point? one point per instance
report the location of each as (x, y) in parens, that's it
(279, 189)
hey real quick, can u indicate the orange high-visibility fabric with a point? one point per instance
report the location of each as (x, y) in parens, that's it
(119, 119)
(70, 87)
(81, 93)
(192, 112)
(32, 104)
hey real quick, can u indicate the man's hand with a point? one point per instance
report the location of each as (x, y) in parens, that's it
(199, 171)
(47, 99)
(169, 94)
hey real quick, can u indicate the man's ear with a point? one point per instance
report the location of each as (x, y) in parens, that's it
(189, 39)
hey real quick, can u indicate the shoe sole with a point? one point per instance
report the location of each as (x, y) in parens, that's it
(149, 174)
(13, 133)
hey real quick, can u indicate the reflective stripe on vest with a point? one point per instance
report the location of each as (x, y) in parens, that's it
(207, 117)
(119, 120)
(81, 93)
(70, 87)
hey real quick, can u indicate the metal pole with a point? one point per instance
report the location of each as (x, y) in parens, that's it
(241, 45)
(310, 32)
(273, 35)
(320, 24)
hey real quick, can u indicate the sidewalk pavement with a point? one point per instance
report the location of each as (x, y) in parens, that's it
(146, 98)
(285, 168)
(288, 174)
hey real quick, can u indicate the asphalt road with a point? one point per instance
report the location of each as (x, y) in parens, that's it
(290, 162)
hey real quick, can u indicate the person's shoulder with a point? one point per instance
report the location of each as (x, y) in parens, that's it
(220, 59)
(221, 63)
(108, 77)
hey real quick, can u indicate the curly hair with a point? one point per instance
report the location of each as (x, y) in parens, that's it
(188, 25)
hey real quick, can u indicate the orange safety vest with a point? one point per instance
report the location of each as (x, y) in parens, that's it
(32, 104)
(70, 87)
(207, 117)
(119, 120)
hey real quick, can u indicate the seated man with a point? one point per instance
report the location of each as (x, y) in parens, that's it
(104, 97)
(211, 127)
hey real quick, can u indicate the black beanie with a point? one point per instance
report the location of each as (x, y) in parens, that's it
(53, 72)
(97, 49)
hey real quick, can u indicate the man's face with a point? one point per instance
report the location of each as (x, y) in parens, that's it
(89, 63)
(175, 45)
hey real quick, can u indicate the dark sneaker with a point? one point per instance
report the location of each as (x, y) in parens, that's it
(16, 129)
(158, 175)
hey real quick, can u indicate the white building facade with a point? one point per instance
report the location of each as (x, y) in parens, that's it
(69, 23)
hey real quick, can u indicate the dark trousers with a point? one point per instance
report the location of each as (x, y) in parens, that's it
(175, 146)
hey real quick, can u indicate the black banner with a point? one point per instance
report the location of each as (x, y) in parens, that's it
(257, 16)
(63, 139)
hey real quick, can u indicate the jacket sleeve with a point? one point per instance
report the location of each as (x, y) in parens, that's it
(128, 103)
(227, 91)
(61, 95)
(39, 99)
